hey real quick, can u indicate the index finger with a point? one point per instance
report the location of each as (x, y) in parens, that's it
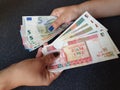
(59, 21)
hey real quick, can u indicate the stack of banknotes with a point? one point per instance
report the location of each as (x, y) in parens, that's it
(34, 31)
(84, 42)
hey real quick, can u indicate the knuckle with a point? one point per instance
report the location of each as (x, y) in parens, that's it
(57, 23)
(55, 10)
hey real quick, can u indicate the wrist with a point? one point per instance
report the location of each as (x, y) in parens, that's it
(86, 6)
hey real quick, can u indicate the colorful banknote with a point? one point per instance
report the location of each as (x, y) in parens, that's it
(34, 30)
(88, 39)
(83, 42)
(81, 51)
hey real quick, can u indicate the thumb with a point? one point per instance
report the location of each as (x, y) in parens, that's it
(58, 22)
(50, 58)
(39, 53)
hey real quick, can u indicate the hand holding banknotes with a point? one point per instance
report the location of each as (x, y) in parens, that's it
(30, 72)
(34, 72)
(97, 8)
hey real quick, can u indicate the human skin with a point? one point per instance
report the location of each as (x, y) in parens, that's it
(29, 72)
(97, 8)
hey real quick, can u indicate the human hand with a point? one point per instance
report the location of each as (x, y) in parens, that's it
(64, 15)
(30, 72)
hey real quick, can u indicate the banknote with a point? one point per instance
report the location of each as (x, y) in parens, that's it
(84, 20)
(90, 49)
(82, 42)
(84, 25)
(35, 32)
(70, 56)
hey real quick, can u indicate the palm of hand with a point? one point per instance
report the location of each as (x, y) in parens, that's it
(33, 72)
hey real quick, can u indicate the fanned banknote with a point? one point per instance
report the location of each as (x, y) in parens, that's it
(34, 30)
(82, 51)
(84, 42)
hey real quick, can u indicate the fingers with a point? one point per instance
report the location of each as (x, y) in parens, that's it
(57, 12)
(45, 44)
(45, 61)
(59, 21)
(39, 53)
(55, 75)
(50, 58)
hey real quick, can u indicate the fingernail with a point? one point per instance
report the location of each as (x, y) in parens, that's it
(51, 28)
(56, 54)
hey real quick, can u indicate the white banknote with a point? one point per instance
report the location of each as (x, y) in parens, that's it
(83, 42)
(34, 30)
(81, 51)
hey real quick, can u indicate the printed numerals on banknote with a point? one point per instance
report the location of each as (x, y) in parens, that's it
(34, 30)
(84, 42)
